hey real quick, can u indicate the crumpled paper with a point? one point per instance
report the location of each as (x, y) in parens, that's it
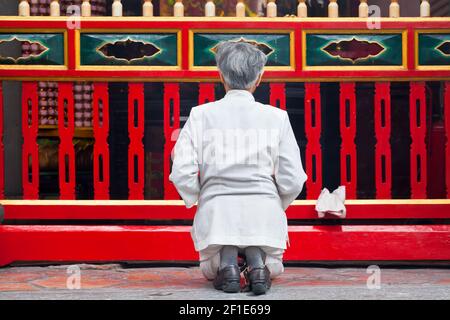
(332, 203)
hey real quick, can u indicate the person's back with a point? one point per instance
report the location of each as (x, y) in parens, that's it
(239, 145)
(239, 161)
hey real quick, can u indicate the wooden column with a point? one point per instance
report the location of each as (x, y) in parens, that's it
(417, 117)
(348, 133)
(66, 130)
(101, 147)
(313, 129)
(171, 127)
(2, 148)
(383, 160)
(30, 148)
(278, 95)
(206, 93)
(447, 135)
(136, 146)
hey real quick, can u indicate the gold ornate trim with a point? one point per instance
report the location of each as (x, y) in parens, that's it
(38, 66)
(356, 32)
(416, 50)
(291, 66)
(78, 65)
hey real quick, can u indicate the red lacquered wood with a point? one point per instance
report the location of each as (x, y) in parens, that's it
(206, 93)
(171, 130)
(188, 24)
(418, 126)
(278, 95)
(348, 133)
(175, 210)
(383, 161)
(313, 129)
(66, 129)
(447, 135)
(369, 243)
(30, 148)
(2, 148)
(136, 146)
(174, 243)
(101, 146)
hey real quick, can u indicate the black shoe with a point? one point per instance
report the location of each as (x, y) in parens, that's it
(228, 279)
(258, 280)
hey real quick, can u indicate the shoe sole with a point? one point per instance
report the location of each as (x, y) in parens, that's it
(259, 288)
(231, 287)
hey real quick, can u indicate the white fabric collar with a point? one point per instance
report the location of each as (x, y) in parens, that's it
(236, 93)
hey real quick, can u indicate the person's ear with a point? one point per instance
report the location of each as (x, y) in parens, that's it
(259, 79)
(221, 77)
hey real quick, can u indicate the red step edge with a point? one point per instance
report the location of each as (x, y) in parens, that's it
(175, 209)
(60, 244)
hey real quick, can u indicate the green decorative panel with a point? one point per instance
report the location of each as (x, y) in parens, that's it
(32, 49)
(354, 49)
(275, 46)
(154, 49)
(434, 49)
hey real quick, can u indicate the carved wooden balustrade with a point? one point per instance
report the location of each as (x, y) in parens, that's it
(309, 52)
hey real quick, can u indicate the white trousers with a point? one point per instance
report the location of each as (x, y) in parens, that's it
(210, 260)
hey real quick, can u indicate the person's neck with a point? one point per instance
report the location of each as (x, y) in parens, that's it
(249, 90)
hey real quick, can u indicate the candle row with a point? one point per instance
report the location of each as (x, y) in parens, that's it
(92, 7)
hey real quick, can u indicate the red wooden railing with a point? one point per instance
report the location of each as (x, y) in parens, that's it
(30, 151)
(101, 147)
(383, 159)
(313, 129)
(338, 242)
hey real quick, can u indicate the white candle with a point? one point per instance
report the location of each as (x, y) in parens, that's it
(302, 9)
(86, 8)
(54, 8)
(210, 9)
(271, 9)
(333, 9)
(147, 8)
(24, 8)
(425, 8)
(394, 9)
(363, 9)
(240, 9)
(178, 9)
(117, 8)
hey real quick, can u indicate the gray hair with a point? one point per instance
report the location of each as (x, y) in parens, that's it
(240, 63)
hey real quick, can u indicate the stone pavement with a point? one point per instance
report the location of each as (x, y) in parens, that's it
(112, 281)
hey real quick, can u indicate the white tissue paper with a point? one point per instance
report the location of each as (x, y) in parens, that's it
(332, 203)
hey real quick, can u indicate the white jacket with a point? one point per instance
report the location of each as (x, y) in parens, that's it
(239, 159)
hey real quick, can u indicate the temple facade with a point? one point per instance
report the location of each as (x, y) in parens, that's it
(94, 93)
